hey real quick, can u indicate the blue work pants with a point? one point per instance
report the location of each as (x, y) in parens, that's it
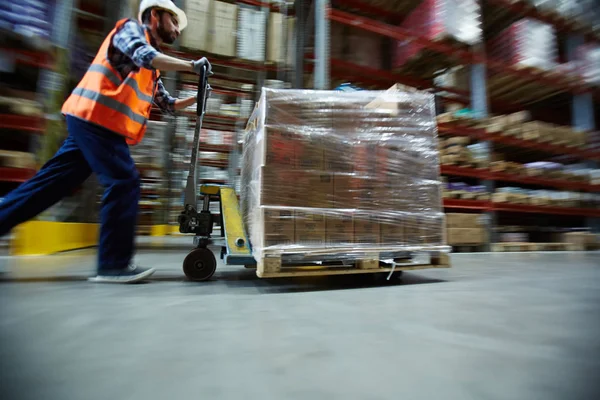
(88, 148)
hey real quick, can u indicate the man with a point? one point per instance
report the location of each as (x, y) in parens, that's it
(106, 112)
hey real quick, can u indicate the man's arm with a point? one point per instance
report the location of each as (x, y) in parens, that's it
(164, 62)
(183, 103)
(131, 40)
(170, 104)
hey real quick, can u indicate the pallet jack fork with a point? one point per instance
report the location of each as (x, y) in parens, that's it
(200, 264)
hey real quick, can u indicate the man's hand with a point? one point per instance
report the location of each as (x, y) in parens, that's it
(198, 64)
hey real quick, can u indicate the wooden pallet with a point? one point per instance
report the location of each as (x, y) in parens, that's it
(465, 248)
(274, 267)
(523, 247)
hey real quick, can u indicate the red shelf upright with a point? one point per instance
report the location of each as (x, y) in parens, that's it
(22, 123)
(16, 174)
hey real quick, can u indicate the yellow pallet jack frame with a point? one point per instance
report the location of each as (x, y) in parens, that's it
(200, 264)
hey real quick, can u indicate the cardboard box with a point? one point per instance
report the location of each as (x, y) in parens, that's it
(222, 39)
(366, 229)
(278, 226)
(584, 239)
(252, 31)
(200, 19)
(460, 220)
(309, 153)
(391, 231)
(337, 156)
(313, 189)
(279, 187)
(291, 41)
(276, 38)
(280, 148)
(430, 230)
(339, 229)
(384, 103)
(412, 230)
(466, 236)
(310, 228)
(343, 191)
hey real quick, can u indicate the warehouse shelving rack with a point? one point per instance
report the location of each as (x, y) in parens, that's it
(373, 18)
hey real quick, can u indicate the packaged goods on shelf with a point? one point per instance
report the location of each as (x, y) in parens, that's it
(208, 172)
(584, 240)
(364, 48)
(454, 78)
(457, 20)
(12, 105)
(514, 237)
(277, 38)
(214, 137)
(200, 14)
(222, 40)
(589, 63)
(246, 108)
(583, 11)
(27, 18)
(340, 174)
(526, 43)
(466, 236)
(17, 159)
(545, 5)
(462, 190)
(291, 43)
(149, 150)
(251, 33)
(551, 198)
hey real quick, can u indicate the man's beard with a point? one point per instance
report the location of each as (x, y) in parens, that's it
(165, 36)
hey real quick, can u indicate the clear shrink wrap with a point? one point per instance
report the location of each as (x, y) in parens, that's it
(340, 174)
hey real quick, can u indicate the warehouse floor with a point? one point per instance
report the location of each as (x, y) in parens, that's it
(495, 326)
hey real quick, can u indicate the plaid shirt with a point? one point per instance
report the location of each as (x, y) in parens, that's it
(130, 51)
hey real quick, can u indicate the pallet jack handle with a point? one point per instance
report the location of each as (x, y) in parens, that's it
(190, 220)
(191, 192)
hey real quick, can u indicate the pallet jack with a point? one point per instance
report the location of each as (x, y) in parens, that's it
(200, 264)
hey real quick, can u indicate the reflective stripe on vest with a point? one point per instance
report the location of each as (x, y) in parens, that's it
(110, 103)
(111, 76)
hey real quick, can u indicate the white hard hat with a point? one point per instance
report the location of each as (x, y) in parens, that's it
(165, 5)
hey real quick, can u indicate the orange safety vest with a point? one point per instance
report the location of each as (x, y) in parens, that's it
(104, 98)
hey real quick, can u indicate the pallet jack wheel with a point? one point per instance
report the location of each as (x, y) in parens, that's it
(200, 264)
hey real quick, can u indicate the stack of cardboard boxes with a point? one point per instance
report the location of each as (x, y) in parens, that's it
(242, 31)
(465, 229)
(330, 170)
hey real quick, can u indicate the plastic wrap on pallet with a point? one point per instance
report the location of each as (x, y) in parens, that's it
(341, 174)
(527, 43)
(458, 20)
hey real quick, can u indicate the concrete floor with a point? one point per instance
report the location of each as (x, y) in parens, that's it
(495, 326)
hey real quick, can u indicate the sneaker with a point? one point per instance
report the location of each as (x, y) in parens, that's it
(131, 274)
